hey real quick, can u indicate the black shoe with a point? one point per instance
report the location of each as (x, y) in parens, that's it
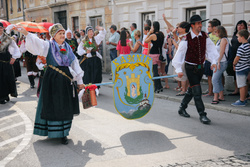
(65, 140)
(32, 86)
(183, 113)
(8, 99)
(2, 102)
(204, 119)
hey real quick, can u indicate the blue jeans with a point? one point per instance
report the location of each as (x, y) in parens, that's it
(113, 54)
(168, 62)
(217, 78)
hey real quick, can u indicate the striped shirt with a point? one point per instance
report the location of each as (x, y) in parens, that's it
(244, 53)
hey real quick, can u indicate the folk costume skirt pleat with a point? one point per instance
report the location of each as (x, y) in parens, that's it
(7, 77)
(58, 103)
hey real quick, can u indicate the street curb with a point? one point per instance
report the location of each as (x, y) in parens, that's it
(207, 105)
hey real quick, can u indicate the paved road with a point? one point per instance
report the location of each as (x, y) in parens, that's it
(101, 137)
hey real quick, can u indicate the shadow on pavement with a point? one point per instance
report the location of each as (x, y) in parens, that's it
(145, 142)
(51, 152)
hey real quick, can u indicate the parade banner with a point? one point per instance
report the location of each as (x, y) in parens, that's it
(133, 89)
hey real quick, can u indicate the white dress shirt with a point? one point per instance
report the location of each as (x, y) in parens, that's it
(13, 49)
(211, 53)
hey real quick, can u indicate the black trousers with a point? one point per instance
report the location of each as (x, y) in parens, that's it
(194, 75)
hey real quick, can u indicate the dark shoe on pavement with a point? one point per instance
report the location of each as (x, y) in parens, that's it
(2, 102)
(65, 140)
(183, 113)
(204, 119)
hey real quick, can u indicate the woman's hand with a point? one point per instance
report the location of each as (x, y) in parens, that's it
(214, 66)
(20, 29)
(88, 51)
(151, 30)
(12, 61)
(218, 65)
(82, 86)
(99, 28)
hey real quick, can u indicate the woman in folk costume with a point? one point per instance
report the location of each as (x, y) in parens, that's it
(91, 60)
(71, 41)
(9, 52)
(58, 100)
(30, 60)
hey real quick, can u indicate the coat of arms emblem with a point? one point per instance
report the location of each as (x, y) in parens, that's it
(133, 85)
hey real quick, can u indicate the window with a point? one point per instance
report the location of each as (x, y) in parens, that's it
(61, 17)
(75, 23)
(147, 16)
(200, 11)
(1, 3)
(96, 21)
(11, 7)
(19, 6)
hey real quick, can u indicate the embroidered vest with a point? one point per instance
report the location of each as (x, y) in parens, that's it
(93, 41)
(5, 41)
(196, 48)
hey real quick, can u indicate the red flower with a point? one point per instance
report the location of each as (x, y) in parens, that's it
(71, 46)
(90, 42)
(91, 87)
(0, 42)
(63, 51)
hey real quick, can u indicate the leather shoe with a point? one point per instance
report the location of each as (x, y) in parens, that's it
(2, 102)
(65, 140)
(183, 113)
(204, 119)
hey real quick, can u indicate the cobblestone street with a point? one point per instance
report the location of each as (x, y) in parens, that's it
(240, 160)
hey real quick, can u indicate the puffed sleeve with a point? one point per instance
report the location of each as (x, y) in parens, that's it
(14, 50)
(179, 57)
(100, 37)
(36, 46)
(78, 71)
(212, 55)
(22, 47)
(80, 49)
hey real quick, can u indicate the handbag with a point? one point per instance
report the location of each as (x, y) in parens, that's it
(86, 99)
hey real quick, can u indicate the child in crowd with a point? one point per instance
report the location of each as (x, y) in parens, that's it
(242, 66)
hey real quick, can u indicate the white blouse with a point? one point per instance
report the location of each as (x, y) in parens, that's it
(13, 49)
(37, 46)
(211, 53)
(99, 38)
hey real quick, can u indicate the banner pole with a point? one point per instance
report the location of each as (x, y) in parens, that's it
(160, 77)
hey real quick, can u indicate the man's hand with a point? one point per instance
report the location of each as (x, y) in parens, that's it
(88, 51)
(12, 61)
(107, 42)
(214, 66)
(180, 74)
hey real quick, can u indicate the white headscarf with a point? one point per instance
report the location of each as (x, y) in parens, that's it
(66, 32)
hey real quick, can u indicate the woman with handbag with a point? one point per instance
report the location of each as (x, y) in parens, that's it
(156, 38)
(58, 100)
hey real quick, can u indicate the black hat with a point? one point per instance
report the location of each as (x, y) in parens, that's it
(1, 24)
(196, 18)
(114, 27)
